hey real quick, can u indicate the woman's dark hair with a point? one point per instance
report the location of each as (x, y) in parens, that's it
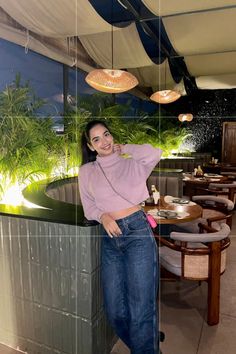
(87, 154)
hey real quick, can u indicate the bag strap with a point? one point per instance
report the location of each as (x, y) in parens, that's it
(112, 185)
(150, 219)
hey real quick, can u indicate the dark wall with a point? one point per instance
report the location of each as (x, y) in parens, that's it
(210, 108)
(207, 134)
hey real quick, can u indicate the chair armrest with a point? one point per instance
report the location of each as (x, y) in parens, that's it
(205, 227)
(218, 218)
(163, 241)
(213, 235)
(229, 205)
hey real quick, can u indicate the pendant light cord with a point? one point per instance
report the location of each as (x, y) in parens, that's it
(112, 38)
(165, 74)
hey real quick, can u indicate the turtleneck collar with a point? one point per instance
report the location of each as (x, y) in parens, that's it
(107, 161)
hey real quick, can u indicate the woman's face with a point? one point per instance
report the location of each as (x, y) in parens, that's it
(101, 140)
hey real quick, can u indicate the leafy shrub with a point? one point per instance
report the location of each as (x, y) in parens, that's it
(28, 147)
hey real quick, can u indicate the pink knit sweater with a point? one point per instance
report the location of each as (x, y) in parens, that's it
(127, 175)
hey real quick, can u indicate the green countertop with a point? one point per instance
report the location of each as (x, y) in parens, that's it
(59, 212)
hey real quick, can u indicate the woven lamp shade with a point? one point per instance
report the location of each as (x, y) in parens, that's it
(111, 81)
(185, 117)
(165, 96)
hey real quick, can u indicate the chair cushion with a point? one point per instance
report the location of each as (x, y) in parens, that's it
(171, 259)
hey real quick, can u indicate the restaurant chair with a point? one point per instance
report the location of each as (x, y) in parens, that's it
(223, 189)
(227, 190)
(199, 256)
(216, 210)
(230, 175)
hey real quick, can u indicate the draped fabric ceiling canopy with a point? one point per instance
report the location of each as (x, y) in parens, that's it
(194, 41)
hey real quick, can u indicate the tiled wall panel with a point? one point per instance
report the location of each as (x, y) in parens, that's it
(50, 294)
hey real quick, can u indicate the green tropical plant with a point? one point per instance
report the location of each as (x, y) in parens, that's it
(172, 140)
(28, 147)
(157, 130)
(169, 136)
(74, 123)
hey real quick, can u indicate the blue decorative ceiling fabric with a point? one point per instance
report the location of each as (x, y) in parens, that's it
(151, 31)
(113, 12)
(150, 27)
(197, 37)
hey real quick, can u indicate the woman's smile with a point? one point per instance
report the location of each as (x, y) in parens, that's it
(106, 147)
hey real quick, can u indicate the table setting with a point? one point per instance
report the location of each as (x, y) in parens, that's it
(175, 200)
(171, 209)
(167, 214)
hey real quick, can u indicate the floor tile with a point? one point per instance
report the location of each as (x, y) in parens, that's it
(120, 348)
(231, 251)
(219, 339)
(182, 312)
(228, 291)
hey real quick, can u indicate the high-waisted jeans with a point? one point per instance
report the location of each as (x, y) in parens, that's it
(130, 282)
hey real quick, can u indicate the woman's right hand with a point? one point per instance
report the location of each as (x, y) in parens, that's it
(110, 225)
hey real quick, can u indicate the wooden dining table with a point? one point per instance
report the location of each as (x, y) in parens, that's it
(185, 212)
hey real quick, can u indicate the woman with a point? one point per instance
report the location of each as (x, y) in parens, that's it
(111, 190)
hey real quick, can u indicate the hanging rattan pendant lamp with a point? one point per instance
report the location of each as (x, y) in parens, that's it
(111, 80)
(165, 96)
(185, 117)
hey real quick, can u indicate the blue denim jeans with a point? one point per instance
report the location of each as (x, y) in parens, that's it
(130, 282)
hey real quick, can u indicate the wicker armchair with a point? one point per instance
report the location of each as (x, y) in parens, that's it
(200, 256)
